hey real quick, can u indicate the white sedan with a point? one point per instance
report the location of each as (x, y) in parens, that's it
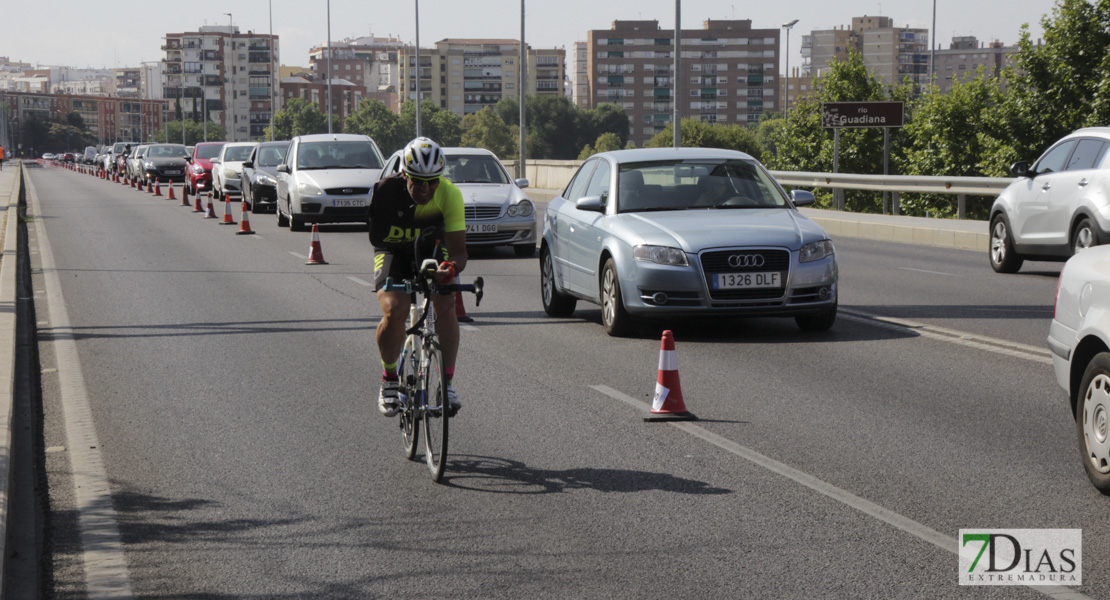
(1079, 339)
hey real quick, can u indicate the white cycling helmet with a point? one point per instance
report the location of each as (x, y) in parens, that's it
(423, 158)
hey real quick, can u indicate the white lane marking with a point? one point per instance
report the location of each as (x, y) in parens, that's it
(938, 539)
(300, 256)
(929, 272)
(954, 336)
(468, 327)
(106, 574)
(359, 281)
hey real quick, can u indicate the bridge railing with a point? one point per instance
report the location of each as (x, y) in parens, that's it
(555, 174)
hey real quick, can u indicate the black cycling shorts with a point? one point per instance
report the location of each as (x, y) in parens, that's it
(397, 264)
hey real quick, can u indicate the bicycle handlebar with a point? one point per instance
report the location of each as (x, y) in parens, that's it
(409, 286)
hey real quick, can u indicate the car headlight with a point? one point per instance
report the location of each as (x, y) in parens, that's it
(231, 174)
(148, 164)
(307, 189)
(267, 180)
(520, 209)
(816, 251)
(663, 255)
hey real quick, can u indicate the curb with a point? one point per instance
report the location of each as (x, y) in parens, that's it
(9, 199)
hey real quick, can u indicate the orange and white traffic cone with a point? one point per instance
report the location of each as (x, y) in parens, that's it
(169, 193)
(198, 208)
(149, 186)
(228, 220)
(210, 213)
(460, 309)
(157, 187)
(667, 405)
(244, 223)
(315, 253)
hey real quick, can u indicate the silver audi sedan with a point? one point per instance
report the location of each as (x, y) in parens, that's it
(661, 233)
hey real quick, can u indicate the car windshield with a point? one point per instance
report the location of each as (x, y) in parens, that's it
(271, 156)
(696, 185)
(166, 151)
(208, 151)
(119, 147)
(338, 155)
(474, 169)
(237, 153)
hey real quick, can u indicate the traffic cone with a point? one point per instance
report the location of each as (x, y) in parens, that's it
(149, 187)
(460, 310)
(184, 195)
(169, 193)
(210, 213)
(157, 187)
(244, 223)
(315, 253)
(667, 405)
(228, 220)
(198, 207)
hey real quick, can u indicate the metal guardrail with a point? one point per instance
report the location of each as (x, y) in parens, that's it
(961, 187)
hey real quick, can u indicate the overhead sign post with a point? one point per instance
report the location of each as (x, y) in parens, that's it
(839, 115)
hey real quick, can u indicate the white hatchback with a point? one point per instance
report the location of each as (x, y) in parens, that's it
(327, 178)
(227, 169)
(1079, 339)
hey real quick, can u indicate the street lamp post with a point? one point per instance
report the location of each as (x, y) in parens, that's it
(522, 167)
(786, 87)
(417, 17)
(328, 75)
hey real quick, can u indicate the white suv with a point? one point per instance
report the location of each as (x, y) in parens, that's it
(1059, 206)
(327, 178)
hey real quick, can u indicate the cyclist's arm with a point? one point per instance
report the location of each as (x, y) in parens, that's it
(456, 248)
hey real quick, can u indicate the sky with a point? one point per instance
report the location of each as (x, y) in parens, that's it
(124, 33)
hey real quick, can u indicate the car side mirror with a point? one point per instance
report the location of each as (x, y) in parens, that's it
(283, 168)
(590, 203)
(248, 164)
(521, 183)
(1021, 169)
(215, 161)
(802, 198)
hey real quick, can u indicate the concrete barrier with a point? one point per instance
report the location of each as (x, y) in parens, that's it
(11, 181)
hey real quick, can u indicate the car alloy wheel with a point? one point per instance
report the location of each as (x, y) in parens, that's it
(1003, 257)
(555, 304)
(1084, 237)
(613, 315)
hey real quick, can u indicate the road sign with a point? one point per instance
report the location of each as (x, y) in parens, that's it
(861, 114)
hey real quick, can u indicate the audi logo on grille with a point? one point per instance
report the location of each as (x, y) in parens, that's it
(745, 260)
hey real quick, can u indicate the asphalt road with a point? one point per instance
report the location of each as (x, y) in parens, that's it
(233, 392)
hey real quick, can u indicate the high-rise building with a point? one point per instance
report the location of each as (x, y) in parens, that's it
(893, 54)
(728, 73)
(965, 55)
(581, 97)
(225, 74)
(466, 75)
(369, 63)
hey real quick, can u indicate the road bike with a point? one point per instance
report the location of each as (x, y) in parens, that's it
(422, 390)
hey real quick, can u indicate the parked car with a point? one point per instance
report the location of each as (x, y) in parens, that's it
(48, 156)
(497, 210)
(1057, 207)
(227, 169)
(661, 233)
(198, 177)
(1079, 338)
(260, 175)
(135, 161)
(89, 155)
(165, 163)
(326, 178)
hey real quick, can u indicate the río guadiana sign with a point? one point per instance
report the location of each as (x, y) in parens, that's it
(837, 115)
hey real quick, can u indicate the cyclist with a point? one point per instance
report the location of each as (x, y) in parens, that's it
(417, 203)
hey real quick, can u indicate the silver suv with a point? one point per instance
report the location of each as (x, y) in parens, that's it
(1057, 207)
(327, 178)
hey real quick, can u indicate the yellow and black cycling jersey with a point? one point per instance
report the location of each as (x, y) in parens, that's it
(396, 221)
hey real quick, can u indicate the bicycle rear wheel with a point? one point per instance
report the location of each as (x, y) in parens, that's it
(435, 415)
(407, 374)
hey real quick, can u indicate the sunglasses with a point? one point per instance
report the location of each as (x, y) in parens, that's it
(421, 181)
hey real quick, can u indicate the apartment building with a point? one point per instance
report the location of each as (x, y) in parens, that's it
(370, 63)
(466, 75)
(227, 74)
(581, 84)
(893, 54)
(965, 55)
(111, 119)
(729, 73)
(128, 83)
(345, 96)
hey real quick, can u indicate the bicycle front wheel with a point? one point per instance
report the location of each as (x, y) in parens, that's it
(435, 413)
(406, 372)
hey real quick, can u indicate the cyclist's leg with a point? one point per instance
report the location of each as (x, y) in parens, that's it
(391, 330)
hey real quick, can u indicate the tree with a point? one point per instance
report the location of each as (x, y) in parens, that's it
(606, 118)
(75, 120)
(194, 133)
(373, 118)
(441, 125)
(606, 142)
(699, 134)
(486, 129)
(299, 117)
